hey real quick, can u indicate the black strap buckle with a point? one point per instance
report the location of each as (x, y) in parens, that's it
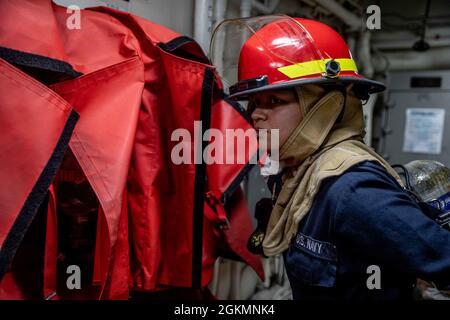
(249, 84)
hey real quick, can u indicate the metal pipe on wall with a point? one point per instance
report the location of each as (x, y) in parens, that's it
(364, 56)
(220, 9)
(246, 8)
(351, 42)
(203, 23)
(368, 115)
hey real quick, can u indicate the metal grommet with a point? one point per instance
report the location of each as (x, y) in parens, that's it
(332, 69)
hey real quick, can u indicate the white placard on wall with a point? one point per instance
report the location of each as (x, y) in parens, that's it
(424, 130)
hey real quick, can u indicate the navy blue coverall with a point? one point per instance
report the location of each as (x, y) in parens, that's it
(359, 219)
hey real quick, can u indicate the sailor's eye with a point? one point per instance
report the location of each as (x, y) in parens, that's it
(275, 100)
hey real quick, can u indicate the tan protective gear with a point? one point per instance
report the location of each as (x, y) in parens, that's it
(320, 147)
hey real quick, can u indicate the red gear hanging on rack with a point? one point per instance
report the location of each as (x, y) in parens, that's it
(131, 83)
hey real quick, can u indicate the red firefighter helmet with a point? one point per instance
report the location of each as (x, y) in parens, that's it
(281, 52)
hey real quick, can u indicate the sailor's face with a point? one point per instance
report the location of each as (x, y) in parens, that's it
(277, 109)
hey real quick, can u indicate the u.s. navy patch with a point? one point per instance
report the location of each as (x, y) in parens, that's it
(320, 249)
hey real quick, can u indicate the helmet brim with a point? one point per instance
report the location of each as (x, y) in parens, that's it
(362, 86)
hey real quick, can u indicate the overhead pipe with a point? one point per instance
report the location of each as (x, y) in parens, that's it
(434, 58)
(407, 44)
(248, 5)
(350, 19)
(265, 8)
(436, 37)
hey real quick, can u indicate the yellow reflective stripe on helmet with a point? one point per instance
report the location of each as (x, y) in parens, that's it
(315, 66)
